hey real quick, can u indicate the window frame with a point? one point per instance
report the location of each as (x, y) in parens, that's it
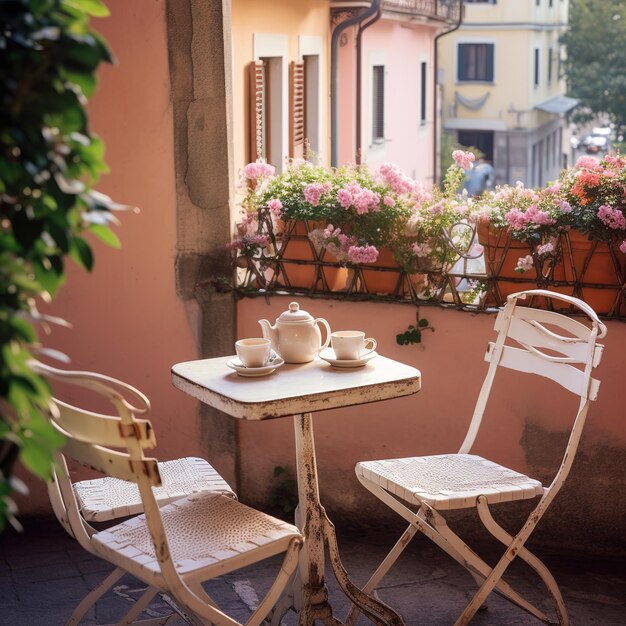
(378, 104)
(487, 75)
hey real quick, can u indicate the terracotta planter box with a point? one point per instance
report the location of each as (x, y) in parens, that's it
(591, 270)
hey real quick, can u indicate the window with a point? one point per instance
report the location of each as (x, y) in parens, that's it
(475, 62)
(423, 83)
(536, 81)
(550, 57)
(311, 107)
(378, 103)
(269, 99)
(310, 50)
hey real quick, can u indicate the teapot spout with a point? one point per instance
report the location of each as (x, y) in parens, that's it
(269, 332)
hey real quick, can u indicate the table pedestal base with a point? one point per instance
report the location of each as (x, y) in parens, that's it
(320, 534)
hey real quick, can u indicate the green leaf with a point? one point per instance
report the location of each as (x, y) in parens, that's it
(23, 329)
(95, 8)
(105, 235)
(81, 253)
(422, 323)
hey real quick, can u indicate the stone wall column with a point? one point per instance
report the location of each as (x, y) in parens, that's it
(201, 91)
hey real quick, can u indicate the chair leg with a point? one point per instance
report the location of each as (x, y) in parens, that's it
(495, 576)
(94, 595)
(139, 606)
(544, 573)
(290, 562)
(434, 526)
(450, 542)
(383, 568)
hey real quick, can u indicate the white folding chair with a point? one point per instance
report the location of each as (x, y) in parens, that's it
(174, 549)
(421, 489)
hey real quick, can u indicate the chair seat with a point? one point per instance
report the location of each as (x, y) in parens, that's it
(205, 531)
(449, 481)
(105, 499)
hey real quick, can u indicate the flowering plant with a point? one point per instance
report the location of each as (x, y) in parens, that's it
(529, 214)
(440, 226)
(596, 192)
(359, 211)
(369, 207)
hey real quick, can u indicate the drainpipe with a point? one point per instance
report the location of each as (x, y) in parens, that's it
(334, 76)
(436, 66)
(359, 72)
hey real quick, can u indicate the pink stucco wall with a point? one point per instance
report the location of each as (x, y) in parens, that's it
(527, 415)
(127, 321)
(400, 47)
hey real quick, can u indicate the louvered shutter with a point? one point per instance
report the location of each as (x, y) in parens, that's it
(462, 62)
(296, 110)
(257, 110)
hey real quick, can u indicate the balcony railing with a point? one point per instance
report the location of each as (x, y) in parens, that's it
(445, 10)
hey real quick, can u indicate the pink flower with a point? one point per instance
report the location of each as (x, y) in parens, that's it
(589, 162)
(362, 254)
(622, 246)
(389, 201)
(393, 176)
(258, 169)
(546, 248)
(463, 159)
(613, 218)
(275, 206)
(313, 192)
(524, 264)
(344, 197)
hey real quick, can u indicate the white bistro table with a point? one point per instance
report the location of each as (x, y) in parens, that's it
(299, 391)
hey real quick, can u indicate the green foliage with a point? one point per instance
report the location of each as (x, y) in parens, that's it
(413, 334)
(49, 162)
(594, 66)
(284, 495)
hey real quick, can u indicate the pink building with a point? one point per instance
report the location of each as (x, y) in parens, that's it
(386, 84)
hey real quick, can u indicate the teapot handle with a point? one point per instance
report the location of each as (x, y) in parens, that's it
(328, 331)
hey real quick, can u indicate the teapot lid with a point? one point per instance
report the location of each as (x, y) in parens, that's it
(294, 314)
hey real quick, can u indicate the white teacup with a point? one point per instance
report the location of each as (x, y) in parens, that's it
(351, 345)
(254, 352)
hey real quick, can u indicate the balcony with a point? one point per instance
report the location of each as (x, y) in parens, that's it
(441, 10)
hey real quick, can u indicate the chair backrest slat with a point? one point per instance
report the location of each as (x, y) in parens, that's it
(112, 462)
(567, 376)
(527, 333)
(105, 430)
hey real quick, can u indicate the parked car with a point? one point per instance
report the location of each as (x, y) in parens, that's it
(596, 143)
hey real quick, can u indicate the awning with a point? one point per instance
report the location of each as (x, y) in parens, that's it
(558, 104)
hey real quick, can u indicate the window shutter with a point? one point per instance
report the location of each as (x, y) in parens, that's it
(257, 110)
(461, 64)
(296, 110)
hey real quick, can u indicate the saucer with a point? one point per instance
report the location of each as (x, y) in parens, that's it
(252, 372)
(328, 355)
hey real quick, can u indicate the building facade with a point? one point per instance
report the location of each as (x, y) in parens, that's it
(502, 90)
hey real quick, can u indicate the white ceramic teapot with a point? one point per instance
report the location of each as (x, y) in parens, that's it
(296, 335)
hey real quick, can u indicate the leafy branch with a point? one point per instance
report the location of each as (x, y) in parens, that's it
(413, 334)
(49, 162)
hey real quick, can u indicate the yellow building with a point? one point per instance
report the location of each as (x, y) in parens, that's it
(501, 86)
